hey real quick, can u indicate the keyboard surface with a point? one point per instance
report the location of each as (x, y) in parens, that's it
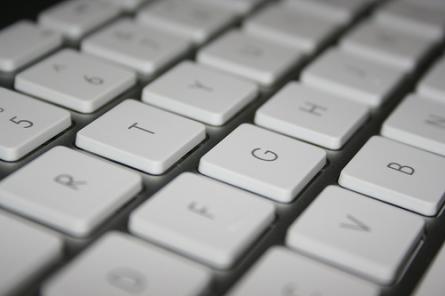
(222, 147)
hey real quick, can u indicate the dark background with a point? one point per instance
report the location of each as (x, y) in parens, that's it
(14, 10)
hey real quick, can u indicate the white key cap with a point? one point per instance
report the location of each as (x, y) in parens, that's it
(312, 115)
(357, 233)
(418, 122)
(136, 268)
(353, 77)
(26, 252)
(141, 136)
(392, 46)
(196, 21)
(201, 93)
(432, 85)
(143, 49)
(414, 16)
(432, 283)
(27, 123)
(264, 162)
(128, 5)
(282, 272)
(292, 27)
(204, 219)
(69, 190)
(342, 11)
(76, 81)
(237, 6)
(76, 18)
(397, 174)
(23, 43)
(260, 60)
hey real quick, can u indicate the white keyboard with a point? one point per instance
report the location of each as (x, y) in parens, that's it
(223, 147)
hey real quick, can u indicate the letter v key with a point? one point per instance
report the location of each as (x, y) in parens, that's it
(355, 224)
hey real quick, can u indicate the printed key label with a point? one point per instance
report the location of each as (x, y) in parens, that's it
(128, 280)
(264, 155)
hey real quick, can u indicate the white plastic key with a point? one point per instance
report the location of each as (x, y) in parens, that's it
(432, 283)
(299, 29)
(312, 115)
(119, 265)
(143, 49)
(76, 81)
(283, 272)
(69, 190)
(357, 234)
(392, 46)
(240, 7)
(342, 11)
(260, 60)
(414, 16)
(418, 122)
(398, 174)
(432, 85)
(203, 218)
(263, 162)
(196, 21)
(200, 92)
(354, 77)
(141, 136)
(23, 43)
(128, 5)
(27, 251)
(27, 123)
(76, 18)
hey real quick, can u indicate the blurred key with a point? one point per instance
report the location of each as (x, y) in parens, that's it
(203, 218)
(143, 49)
(201, 93)
(353, 77)
(76, 18)
(238, 6)
(23, 43)
(120, 265)
(187, 19)
(357, 234)
(300, 29)
(283, 272)
(128, 5)
(27, 250)
(418, 122)
(27, 123)
(76, 81)
(432, 85)
(260, 60)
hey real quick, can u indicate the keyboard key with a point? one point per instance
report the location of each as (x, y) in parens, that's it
(418, 122)
(76, 81)
(143, 49)
(27, 123)
(352, 232)
(312, 115)
(354, 77)
(262, 61)
(195, 21)
(200, 93)
(342, 11)
(282, 272)
(392, 46)
(432, 85)
(26, 252)
(304, 31)
(76, 18)
(421, 18)
(136, 268)
(264, 162)
(69, 190)
(128, 5)
(397, 174)
(432, 283)
(237, 6)
(23, 43)
(204, 219)
(141, 136)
